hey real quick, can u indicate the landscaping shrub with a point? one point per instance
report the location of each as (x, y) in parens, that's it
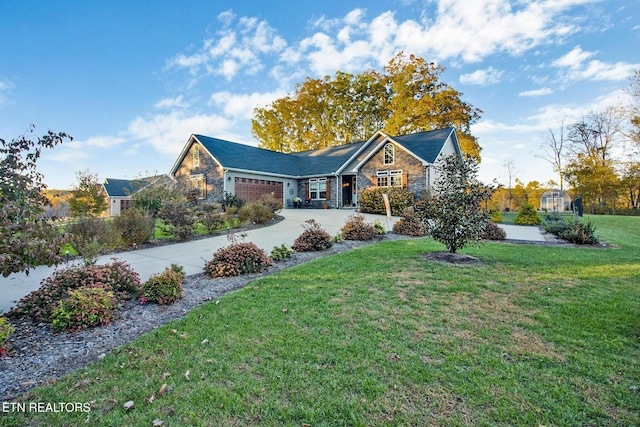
(497, 217)
(232, 201)
(164, 288)
(493, 232)
(230, 214)
(211, 217)
(581, 233)
(409, 224)
(237, 259)
(356, 228)
(5, 331)
(380, 229)
(556, 224)
(270, 201)
(134, 226)
(91, 237)
(178, 217)
(256, 213)
(371, 200)
(313, 238)
(527, 215)
(117, 277)
(83, 308)
(281, 252)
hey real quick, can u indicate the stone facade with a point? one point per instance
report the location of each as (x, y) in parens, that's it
(212, 173)
(240, 164)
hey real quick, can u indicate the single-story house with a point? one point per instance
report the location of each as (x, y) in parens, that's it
(119, 191)
(555, 201)
(333, 176)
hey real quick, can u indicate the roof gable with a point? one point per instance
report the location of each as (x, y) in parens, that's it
(425, 145)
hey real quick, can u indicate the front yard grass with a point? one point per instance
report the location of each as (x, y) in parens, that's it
(379, 336)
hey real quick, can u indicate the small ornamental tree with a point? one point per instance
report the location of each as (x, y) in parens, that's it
(26, 238)
(87, 198)
(454, 216)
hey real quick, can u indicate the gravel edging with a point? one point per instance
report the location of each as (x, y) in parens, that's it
(37, 355)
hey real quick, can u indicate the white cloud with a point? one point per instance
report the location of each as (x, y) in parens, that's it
(482, 77)
(85, 149)
(234, 50)
(576, 66)
(170, 103)
(242, 105)
(537, 92)
(167, 133)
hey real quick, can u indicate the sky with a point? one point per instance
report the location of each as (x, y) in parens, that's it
(131, 80)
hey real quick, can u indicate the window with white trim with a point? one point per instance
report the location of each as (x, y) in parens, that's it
(389, 178)
(196, 156)
(318, 188)
(198, 183)
(389, 154)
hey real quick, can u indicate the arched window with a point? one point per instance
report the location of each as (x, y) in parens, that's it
(196, 156)
(388, 154)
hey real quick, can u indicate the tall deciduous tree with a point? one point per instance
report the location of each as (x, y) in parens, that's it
(554, 149)
(87, 197)
(406, 97)
(592, 167)
(633, 110)
(26, 238)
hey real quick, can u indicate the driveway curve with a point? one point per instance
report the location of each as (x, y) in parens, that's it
(193, 254)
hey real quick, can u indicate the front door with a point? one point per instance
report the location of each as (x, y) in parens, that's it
(348, 186)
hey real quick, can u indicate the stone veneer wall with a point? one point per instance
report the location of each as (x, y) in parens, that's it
(213, 175)
(415, 170)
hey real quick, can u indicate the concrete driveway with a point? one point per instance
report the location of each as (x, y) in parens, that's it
(192, 255)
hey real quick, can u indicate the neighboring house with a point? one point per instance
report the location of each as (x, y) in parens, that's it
(333, 176)
(119, 191)
(555, 201)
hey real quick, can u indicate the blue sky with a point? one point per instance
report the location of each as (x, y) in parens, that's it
(132, 80)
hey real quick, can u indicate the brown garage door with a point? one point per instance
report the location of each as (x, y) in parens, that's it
(250, 190)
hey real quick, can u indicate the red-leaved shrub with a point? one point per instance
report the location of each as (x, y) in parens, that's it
(313, 238)
(493, 231)
(237, 259)
(356, 228)
(409, 224)
(117, 277)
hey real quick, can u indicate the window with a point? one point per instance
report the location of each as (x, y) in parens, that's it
(196, 156)
(198, 183)
(388, 154)
(389, 178)
(318, 188)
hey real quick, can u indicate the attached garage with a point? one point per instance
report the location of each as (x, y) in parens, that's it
(251, 190)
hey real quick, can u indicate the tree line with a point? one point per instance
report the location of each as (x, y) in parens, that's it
(599, 155)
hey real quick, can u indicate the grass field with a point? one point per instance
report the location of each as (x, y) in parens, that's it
(379, 336)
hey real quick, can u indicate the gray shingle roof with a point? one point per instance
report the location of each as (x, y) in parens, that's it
(325, 161)
(240, 156)
(119, 187)
(426, 145)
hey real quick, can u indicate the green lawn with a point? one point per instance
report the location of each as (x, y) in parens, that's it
(378, 336)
